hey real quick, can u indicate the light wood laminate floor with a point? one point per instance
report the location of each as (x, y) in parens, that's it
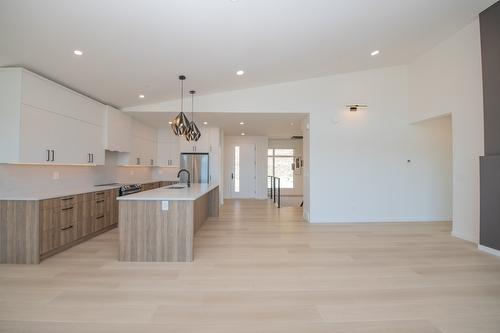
(262, 269)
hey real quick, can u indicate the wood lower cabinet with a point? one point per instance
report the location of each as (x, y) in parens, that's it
(167, 183)
(34, 230)
(31, 230)
(151, 186)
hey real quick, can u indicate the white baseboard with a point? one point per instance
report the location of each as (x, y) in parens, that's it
(306, 216)
(488, 250)
(463, 237)
(381, 220)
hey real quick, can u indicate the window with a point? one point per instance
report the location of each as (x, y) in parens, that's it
(279, 164)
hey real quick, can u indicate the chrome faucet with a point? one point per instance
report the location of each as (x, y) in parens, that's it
(189, 176)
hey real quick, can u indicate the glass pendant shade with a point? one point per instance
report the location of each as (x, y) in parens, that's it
(180, 124)
(193, 132)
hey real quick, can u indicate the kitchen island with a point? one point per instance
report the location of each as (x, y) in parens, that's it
(159, 225)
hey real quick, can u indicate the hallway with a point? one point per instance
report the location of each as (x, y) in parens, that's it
(262, 269)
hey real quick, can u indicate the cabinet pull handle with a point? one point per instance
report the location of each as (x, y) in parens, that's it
(99, 201)
(48, 155)
(67, 208)
(99, 193)
(53, 155)
(92, 157)
(99, 217)
(66, 228)
(88, 158)
(70, 198)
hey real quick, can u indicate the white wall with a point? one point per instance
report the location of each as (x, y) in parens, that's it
(17, 178)
(261, 144)
(448, 80)
(358, 161)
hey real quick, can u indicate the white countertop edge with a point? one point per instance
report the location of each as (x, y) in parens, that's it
(31, 195)
(194, 192)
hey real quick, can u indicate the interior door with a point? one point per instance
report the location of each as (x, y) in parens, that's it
(243, 176)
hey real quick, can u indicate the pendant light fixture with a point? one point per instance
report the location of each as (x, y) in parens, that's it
(180, 124)
(193, 133)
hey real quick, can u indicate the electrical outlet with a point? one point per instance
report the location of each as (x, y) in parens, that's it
(164, 205)
(55, 175)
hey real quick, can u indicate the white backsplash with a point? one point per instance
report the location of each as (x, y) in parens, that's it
(22, 178)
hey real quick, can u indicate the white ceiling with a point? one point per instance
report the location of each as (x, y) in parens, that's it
(136, 47)
(273, 125)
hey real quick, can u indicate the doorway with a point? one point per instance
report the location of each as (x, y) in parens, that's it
(242, 173)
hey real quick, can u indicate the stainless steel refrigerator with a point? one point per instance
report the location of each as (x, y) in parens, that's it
(197, 165)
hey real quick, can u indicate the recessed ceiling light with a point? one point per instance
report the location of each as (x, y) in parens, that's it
(242, 133)
(240, 72)
(374, 53)
(205, 123)
(78, 52)
(242, 123)
(141, 96)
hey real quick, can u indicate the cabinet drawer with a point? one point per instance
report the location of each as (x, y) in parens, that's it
(67, 234)
(102, 195)
(68, 201)
(101, 221)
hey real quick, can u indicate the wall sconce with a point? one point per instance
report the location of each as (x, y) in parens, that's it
(355, 107)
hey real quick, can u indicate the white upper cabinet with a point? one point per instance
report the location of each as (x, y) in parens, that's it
(50, 96)
(200, 146)
(209, 142)
(167, 150)
(44, 122)
(143, 146)
(117, 130)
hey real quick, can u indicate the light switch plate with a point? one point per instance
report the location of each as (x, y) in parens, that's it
(164, 205)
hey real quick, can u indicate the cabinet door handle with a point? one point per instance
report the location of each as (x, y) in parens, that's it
(88, 158)
(99, 193)
(152, 162)
(48, 155)
(67, 208)
(138, 161)
(99, 217)
(66, 228)
(92, 157)
(70, 198)
(99, 201)
(53, 155)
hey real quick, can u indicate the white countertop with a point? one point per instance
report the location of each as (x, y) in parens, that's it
(48, 193)
(194, 192)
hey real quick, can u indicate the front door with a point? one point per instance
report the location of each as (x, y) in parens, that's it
(243, 170)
